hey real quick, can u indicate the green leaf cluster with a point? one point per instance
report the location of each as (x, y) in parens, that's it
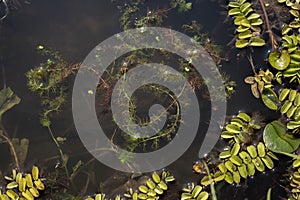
(290, 107)
(241, 128)
(294, 7)
(286, 58)
(194, 192)
(260, 81)
(242, 158)
(237, 163)
(294, 180)
(182, 5)
(248, 23)
(153, 189)
(101, 196)
(23, 186)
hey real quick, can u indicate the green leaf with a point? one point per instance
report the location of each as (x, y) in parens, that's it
(188, 5)
(277, 140)
(245, 34)
(285, 29)
(245, 6)
(234, 11)
(295, 13)
(295, 56)
(257, 42)
(234, 4)
(238, 20)
(241, 43)
(7, 100)
(242, 28)
(279, 60)
(253, 16)
(270, 99)
(256, 22)
(245, 23)
(294, 24)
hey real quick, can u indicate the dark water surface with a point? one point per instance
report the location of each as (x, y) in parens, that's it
(74, 28)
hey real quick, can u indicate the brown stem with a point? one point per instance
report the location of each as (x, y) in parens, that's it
(250, 59)
(268, 25)
(5, 136)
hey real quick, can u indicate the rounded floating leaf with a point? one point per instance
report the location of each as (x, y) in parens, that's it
(276, 139)
(279, 60)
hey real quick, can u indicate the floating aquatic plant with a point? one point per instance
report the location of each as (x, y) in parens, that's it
(23, 186)
(290, 105)
(241, 128)
(195, 192)
(248, 23)
(294, 7)
(278, 140)
(242, 158)
(260, 81)
(294, 181)
(101, 196)
(237, 163)
(154, 187)
(286, 57)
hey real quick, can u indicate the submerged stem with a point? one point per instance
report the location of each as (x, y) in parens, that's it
(289, 154)
(250, 59)
(5, 136)
(62, 155)
(212, 184)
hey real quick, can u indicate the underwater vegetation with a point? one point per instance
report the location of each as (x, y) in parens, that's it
(250, 144)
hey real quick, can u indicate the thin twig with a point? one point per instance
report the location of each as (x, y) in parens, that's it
(268, 25)
(5, 136)
(252, 64)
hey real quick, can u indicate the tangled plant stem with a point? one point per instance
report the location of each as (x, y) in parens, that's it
(5, 136)
(62, 155)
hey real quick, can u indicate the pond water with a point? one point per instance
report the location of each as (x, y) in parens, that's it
(74, 28)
